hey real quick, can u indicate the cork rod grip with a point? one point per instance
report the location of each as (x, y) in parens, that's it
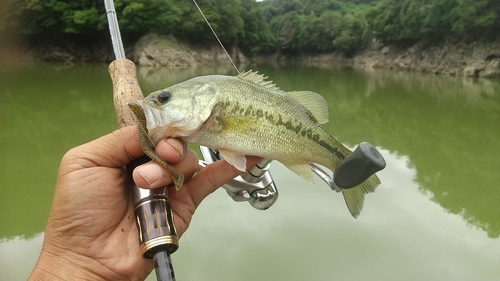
(125, 90)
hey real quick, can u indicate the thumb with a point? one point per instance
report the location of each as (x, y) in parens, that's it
(113, 150)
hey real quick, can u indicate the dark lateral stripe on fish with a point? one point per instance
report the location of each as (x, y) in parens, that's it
(278, 121)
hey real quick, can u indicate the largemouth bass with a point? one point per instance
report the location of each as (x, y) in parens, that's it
(246, 115)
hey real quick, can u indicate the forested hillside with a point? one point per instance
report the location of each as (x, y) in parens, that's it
(288, 26)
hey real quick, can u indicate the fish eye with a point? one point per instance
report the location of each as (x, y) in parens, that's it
(164, 97)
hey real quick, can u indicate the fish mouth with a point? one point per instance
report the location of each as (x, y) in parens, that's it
(153, 115)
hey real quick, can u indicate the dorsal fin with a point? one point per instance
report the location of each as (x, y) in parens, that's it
(314, 102)
(258, 79)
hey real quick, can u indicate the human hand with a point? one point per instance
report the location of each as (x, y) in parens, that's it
(91, 233)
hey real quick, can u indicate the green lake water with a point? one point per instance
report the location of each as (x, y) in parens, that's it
(436, 215)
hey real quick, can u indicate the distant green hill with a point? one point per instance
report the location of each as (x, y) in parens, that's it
(289, 26)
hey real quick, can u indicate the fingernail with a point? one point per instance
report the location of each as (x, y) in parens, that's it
(150, 173)
(177, 145)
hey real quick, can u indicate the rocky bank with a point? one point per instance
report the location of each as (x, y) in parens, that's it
(167, 51)
(450, 57)
(458, 58)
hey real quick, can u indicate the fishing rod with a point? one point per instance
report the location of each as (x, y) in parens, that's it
(154, 219)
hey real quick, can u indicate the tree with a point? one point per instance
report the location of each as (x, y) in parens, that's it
(143, 16)
(351, 35)
(286, 28)
(223, 15)
(400, 20)
(317, 33)
(256, 35)
(80, 16)
(286, 25)
(479, 15)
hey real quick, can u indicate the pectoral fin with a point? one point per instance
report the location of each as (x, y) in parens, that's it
(214, 123)
(354, 197)
(237, 160)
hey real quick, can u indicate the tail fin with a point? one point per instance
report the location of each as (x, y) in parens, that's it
(354, 197)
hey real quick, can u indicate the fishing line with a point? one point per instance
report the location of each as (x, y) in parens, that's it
(217, 37)
(176, 194)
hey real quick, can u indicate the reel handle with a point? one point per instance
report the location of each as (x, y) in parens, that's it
(363, 162)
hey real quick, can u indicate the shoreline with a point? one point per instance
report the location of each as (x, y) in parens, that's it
(449, 57)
